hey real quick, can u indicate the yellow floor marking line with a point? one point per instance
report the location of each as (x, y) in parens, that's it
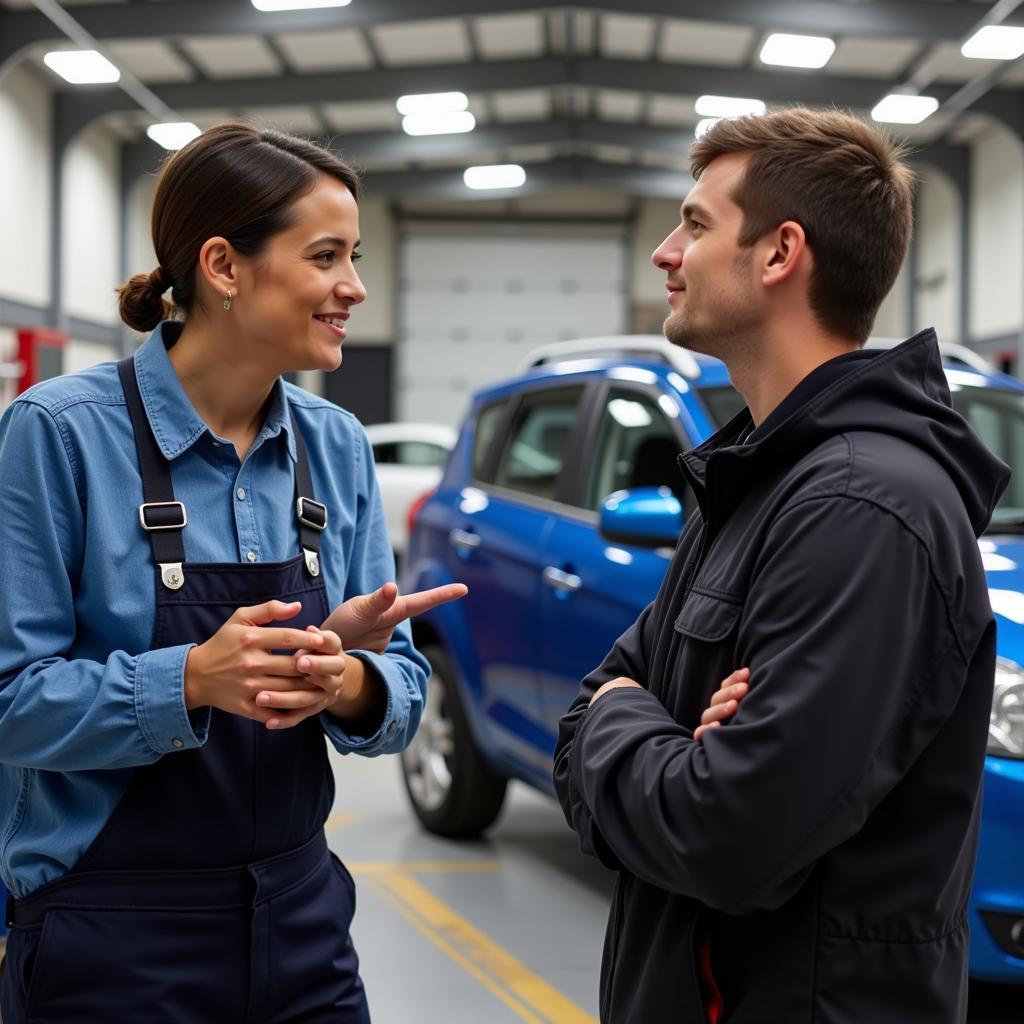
(532, 998)
(340, 820)
(422, 867)
(438, 940)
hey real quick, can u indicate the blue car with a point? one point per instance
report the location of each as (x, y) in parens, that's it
(560, 507)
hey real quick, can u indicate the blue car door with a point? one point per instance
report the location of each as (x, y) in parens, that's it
(593, 589)
(498, 536)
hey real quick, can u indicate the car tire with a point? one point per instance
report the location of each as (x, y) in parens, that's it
(453, 791)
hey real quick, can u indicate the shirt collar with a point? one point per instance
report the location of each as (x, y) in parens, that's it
(175, 423)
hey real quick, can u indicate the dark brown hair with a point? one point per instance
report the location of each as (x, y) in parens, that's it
(233, 180)
(847, 186)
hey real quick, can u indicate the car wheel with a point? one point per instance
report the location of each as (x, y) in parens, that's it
(453, 791)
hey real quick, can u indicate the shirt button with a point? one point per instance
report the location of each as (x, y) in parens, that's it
(392, 726)
(240, 494)
(251, 555)
(177, 743)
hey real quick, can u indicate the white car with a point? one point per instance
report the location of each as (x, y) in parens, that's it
(410, 458)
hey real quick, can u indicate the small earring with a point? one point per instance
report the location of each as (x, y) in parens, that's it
(227, 300)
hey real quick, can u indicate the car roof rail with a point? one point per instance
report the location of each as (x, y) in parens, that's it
(950, 352)
(681, 360)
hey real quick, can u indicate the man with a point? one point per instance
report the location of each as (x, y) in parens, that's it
(809, 859)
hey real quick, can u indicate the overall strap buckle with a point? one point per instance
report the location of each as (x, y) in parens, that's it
(163, 515)
(311, 513)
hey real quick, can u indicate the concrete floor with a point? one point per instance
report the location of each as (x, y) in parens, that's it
(501, 931)
(506, 929)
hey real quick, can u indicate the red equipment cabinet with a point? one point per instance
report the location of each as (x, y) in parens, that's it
(41, 354)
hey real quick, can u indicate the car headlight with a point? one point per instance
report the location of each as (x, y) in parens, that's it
(1006, 726)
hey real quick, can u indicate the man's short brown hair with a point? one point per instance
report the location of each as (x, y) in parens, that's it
(847, 186)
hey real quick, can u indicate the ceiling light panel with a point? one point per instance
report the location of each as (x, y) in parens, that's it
(432, 103)
(995, 42)
(728, 106)
(782, 49)
(494, 176)
(297, 5)
(173, 135)
(900, 109)
(81, 67)
(451, 123)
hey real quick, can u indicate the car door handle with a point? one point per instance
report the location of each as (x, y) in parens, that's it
(567, 582)
(463, 540)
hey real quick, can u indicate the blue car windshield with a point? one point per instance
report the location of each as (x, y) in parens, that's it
(997, 417)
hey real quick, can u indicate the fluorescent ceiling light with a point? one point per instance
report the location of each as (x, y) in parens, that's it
(703, 125)
(797, 51)
(897, 108)
(432, 103)
(494, 176)
(173, 134)
(449, 123)
(296, 5)
(81, 67)
(728, 106)
(995, 42)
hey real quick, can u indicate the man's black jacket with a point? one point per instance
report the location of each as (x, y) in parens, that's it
(823, 840)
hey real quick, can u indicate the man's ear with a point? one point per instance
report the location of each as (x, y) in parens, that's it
(786, 251)
(218, 265)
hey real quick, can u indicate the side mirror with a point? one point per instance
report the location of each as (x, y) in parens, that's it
(649, 517)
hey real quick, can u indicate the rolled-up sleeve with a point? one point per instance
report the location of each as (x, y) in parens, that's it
(401, 668)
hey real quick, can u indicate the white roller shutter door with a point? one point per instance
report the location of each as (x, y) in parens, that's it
(471, 305)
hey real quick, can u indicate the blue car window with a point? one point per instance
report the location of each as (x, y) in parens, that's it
(532, 459)
(997, 417)
(722, 404)
(636, 447)
(486, 424)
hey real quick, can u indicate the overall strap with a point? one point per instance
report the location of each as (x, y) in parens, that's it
(161, 516)
(312, 515)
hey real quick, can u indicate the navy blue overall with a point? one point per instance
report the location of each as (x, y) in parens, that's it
(210, 895)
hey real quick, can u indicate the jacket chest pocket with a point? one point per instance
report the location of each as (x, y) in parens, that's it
(706, 630)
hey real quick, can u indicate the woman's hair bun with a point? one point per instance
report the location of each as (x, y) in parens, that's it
(141, 300)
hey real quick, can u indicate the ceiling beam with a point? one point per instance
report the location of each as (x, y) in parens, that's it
(923, 19)
(542, 177)
(84, 105)
(145, 157)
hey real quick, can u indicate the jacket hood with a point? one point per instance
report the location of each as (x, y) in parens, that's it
(901, 392)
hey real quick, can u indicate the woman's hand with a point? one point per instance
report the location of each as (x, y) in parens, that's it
(236, 666)
(725, 702)
(367, 621)
(352, 690)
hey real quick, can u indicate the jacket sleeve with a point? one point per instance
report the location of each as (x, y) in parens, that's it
(628, 657)
(401, 667)
(844, 630)
(57, 712)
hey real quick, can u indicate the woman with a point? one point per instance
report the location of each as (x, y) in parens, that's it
(176, 528)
